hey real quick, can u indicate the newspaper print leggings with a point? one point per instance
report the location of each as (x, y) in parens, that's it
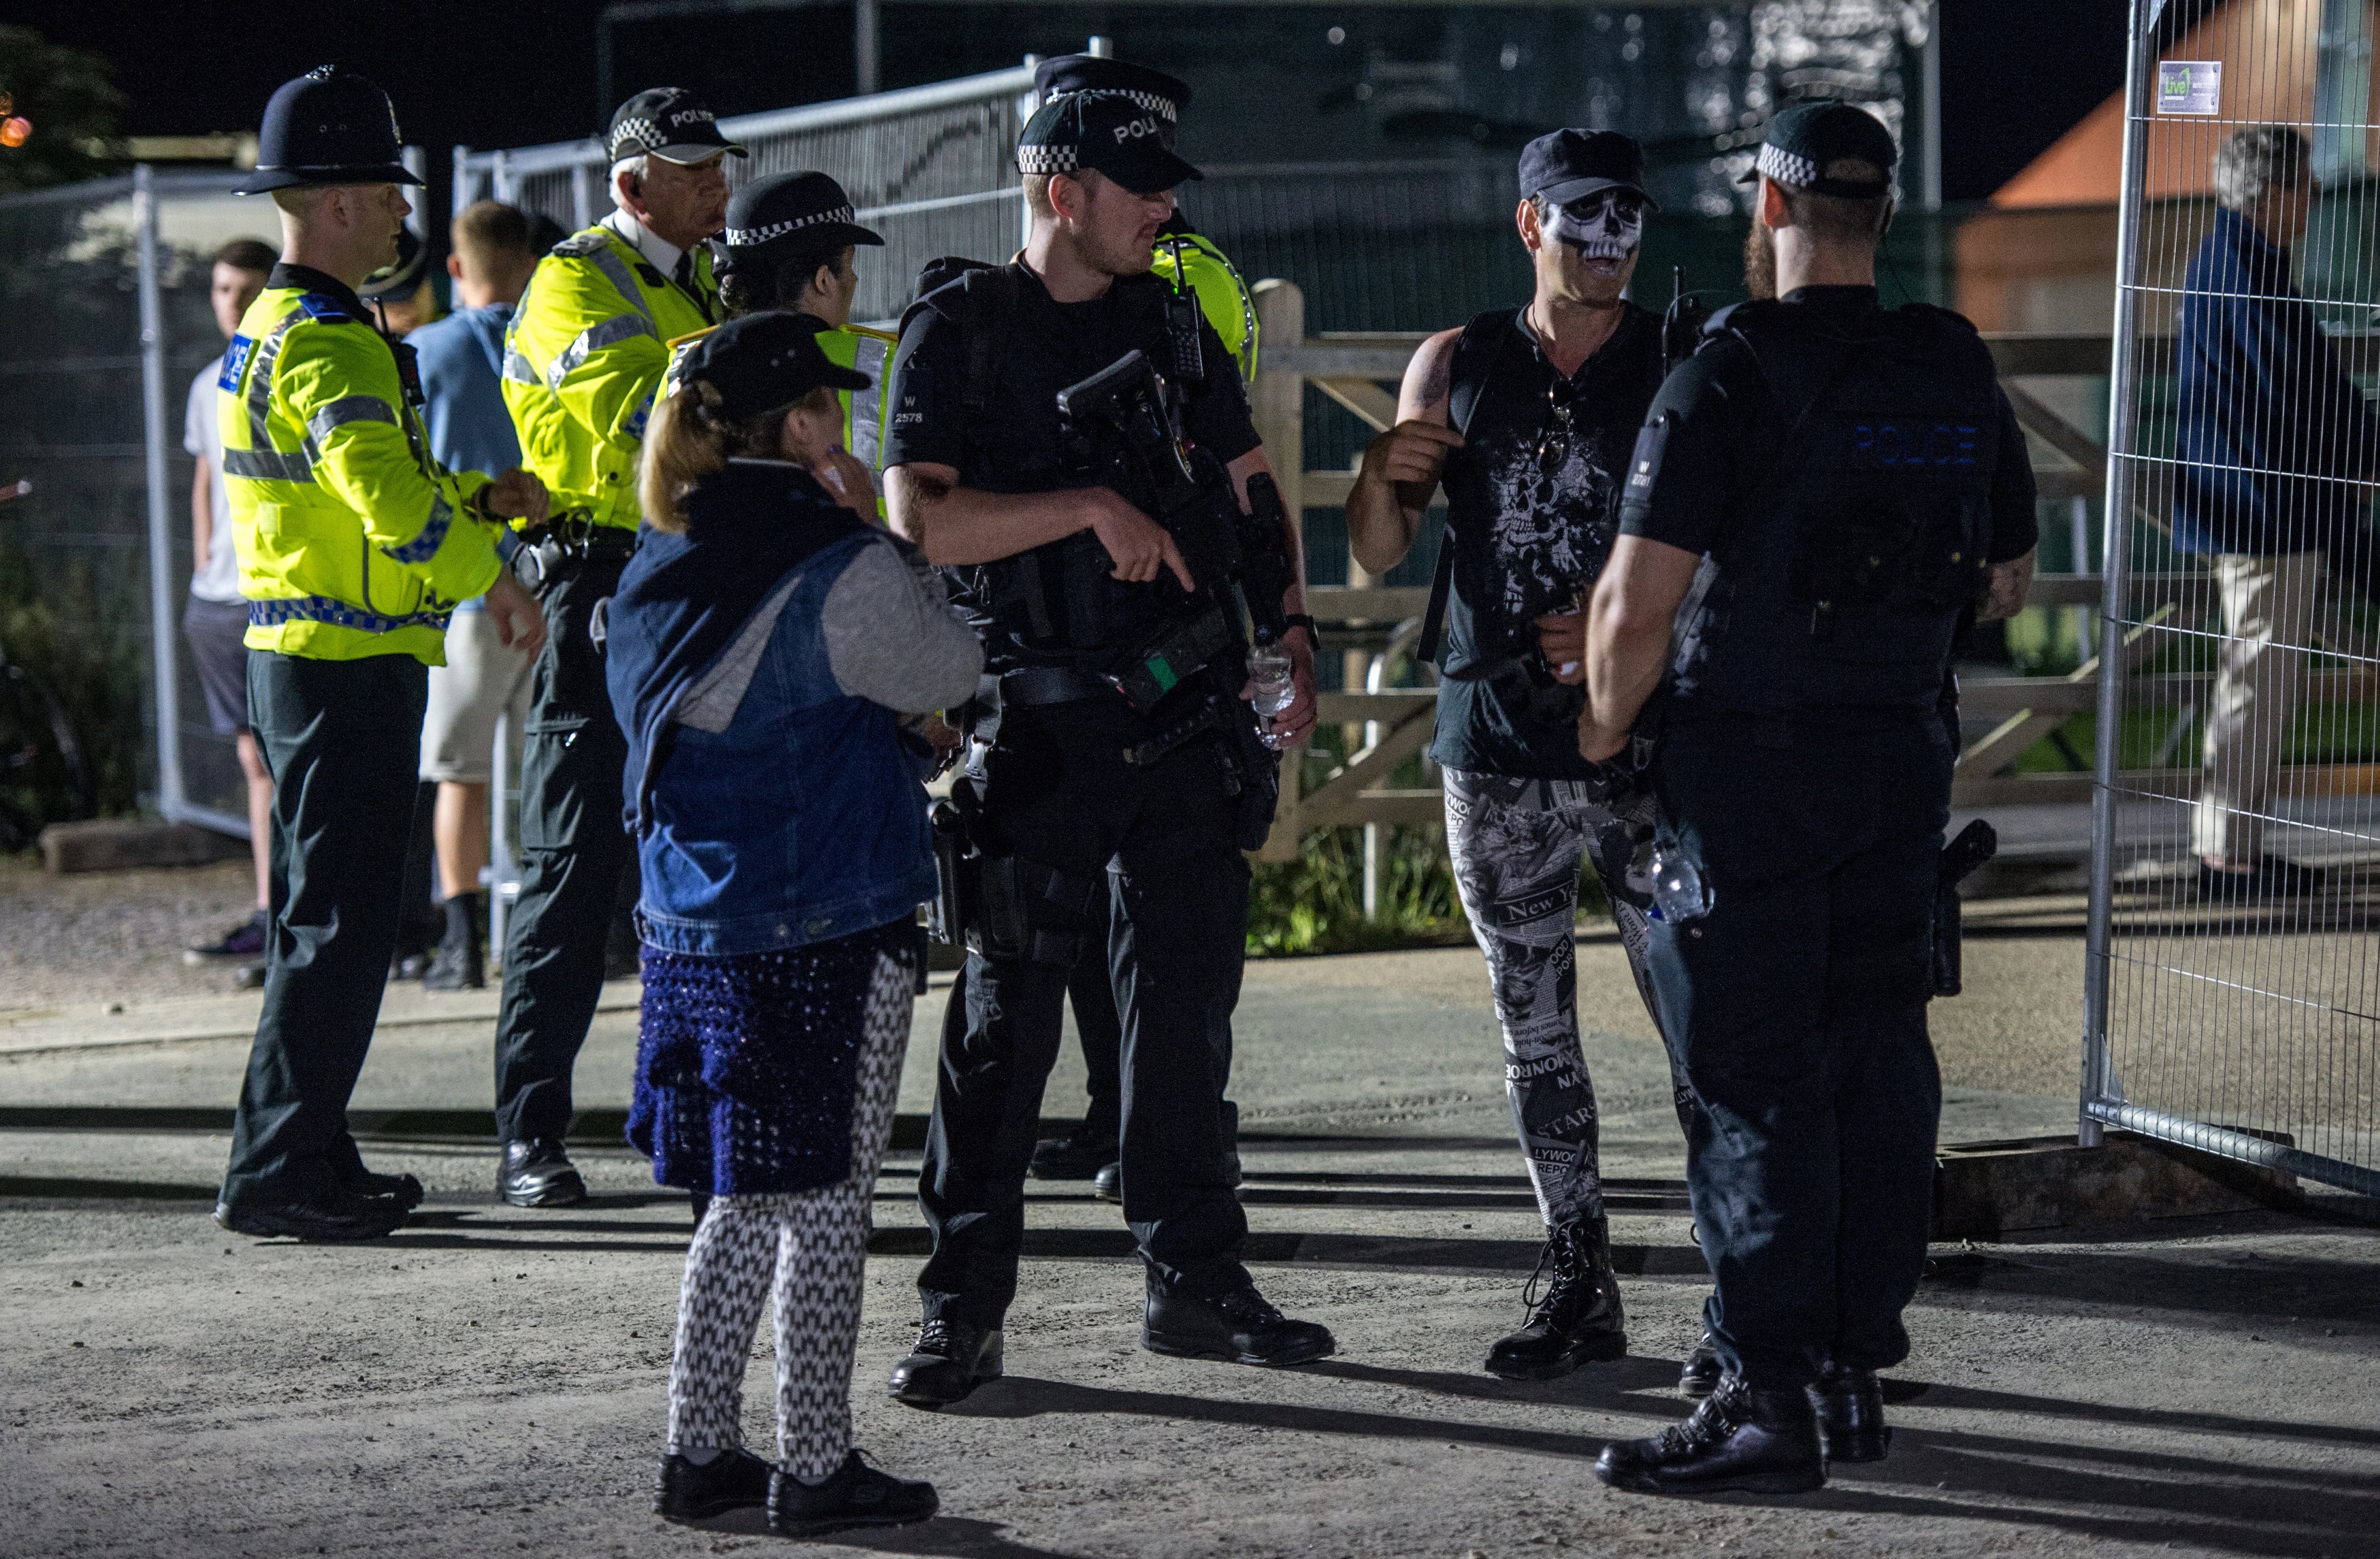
(806, 1248)
(1517, 846)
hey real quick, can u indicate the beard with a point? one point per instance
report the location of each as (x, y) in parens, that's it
(1760, 261)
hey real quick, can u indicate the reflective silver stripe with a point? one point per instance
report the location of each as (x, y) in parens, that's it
(518, 369)
(267, 465)
(350, 409)
(593, 339)
(260, 390)
(619, 276)
(868, 405)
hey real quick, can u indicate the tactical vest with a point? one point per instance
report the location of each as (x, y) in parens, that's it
(1842, 570)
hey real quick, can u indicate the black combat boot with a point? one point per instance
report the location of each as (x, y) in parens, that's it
(1740, 1439)
(734, 1479)
(1241, 1326)
(1850, 1405)
(1078, 1155)
(459, 964)
(855, 1494)
(951, 1359)
(1578, 1320)
(1701, 1371)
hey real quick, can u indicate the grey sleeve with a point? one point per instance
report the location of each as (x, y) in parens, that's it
(892, 639)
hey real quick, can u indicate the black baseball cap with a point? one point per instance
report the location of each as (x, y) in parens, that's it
(782, 212)
(1802, 139)
(761, 361)
(1106, 130)
(669, 123)
(1565, 165)
(1167, 95)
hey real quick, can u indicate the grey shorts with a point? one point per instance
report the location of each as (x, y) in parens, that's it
(480, 680)
(217, 631)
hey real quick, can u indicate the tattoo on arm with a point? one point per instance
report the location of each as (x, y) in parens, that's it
(1436, 377)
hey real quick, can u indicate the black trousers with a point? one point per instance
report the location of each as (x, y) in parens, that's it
(1056, 792)
(341, 739)
(1795, 1009)
(1091, 991)
(574, 851)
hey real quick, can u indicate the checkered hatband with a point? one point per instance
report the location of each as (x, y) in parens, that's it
(746, 238)
(1047, 159)
(1787, 167)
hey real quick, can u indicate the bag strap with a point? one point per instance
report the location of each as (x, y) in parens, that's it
(991, 306)
(1476, 352)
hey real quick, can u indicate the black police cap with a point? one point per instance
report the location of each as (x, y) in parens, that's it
(1104, 130)
(782, 213)
(1565, 165)
(761, 361)
(669, 123)
(1803, 139)
(328, 127)
(1168, 95)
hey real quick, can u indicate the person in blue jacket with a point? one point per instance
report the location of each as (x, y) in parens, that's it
(763, 651)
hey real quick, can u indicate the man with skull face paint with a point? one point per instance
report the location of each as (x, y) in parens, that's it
(1528, 415)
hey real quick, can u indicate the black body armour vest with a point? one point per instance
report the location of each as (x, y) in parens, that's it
(1842, 573)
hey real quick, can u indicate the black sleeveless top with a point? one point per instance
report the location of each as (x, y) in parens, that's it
(1532, 507)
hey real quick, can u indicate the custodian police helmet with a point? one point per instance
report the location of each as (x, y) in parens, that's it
(328, 127)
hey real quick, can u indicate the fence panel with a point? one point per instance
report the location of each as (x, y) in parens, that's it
(2242, 1012)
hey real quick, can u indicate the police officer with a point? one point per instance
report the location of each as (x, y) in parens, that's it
(354, 547)
(1065, 573)
(1848, 482)
(584, 353)
(1183, 257)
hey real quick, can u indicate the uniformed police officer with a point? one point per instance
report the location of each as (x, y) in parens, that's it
(354, 546)
(584, 353)
(1846, 481)
(1065, 573)
(1183, 257)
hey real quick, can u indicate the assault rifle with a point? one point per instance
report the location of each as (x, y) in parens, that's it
(1119, 429)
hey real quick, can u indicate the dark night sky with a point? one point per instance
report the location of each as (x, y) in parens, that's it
(2016, 73)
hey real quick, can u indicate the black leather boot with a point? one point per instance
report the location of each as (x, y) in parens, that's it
(459, 964)
(1078, 1155)
(1578, 1320)
(537, 1173)
(1240, 1326)
(1107, 1184)
(347, 1166)
(951, 1359)
(1701, 1371)
(1740, 1440)
(1850, 1405)
(734, 1479)
(854, 1495)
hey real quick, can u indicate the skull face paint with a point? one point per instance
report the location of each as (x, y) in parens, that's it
(1608, 224)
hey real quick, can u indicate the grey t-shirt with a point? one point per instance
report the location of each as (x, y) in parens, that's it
(216, 576)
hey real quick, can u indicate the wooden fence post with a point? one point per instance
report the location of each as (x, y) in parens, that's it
(1278, 405)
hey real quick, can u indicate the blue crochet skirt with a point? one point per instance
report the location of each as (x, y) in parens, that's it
(747, 1067)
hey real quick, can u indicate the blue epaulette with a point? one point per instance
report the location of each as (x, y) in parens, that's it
(323, 307)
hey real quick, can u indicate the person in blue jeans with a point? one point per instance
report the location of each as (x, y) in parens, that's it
(764, 651)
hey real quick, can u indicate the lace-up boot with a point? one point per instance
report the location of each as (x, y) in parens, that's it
(1578, 1320)
(951, 1359)
(1850, 1405)
(855, 1494)
(1740, 1439)
(1241, 1326)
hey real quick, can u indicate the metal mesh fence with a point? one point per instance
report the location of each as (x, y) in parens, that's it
(104, 324)
(2234, 987)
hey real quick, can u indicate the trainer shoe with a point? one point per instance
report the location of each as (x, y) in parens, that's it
(734, 1479)
(1578, 1320)
(244, 941)
(855, 1494)
(1739, 1440)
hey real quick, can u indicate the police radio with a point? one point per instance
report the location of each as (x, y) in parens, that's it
(1182, 319)
(1681, 323)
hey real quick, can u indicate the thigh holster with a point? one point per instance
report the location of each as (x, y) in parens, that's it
(1030, 912)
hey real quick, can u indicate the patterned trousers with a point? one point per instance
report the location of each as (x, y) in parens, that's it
(808, 1250)
(1517, 846)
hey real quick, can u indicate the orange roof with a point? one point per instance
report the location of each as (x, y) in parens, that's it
(2268, 56)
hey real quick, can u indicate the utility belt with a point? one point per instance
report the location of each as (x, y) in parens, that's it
(563, 545)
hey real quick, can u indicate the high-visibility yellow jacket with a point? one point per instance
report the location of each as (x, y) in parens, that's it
(855, 345)
(583, 356)
(1222, 296)
(352, 539)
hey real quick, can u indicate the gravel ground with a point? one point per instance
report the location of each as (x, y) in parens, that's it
(113, 935)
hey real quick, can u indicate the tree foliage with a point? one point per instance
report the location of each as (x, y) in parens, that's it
(70, 98)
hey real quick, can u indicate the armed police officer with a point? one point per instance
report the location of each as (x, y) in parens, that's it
(1188, 261)
(1835, 485)
(584, 354)
(1097, 781)
(1528, 415)
(354, 548)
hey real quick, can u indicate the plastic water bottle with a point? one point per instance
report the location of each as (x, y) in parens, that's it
(1678, 892)
(1272, 684)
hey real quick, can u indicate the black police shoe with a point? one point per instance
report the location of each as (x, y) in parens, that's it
(1701, 1370)
(1241, 1326)
(537, 1173)
(855, 1494)
(1850, 1405)
(734, 1479)
(402, 1189)
(1578, 1320)
(339, 1216)
(1739, 1440)
(1107, 1184)
(951, 1359)
(455, 967)
(1078, 1155)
